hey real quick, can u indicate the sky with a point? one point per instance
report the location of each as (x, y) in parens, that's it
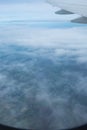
(19, 1)
(29, 10)
(16, 1)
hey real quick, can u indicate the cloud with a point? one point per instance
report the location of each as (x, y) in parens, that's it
(69, 37)
(42, 67)
(69, 41)
(43, 75)
(42, 93)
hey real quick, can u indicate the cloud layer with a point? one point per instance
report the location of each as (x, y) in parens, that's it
(43, 76)
(43, 67)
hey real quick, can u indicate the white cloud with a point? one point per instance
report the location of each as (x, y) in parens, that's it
(67, 41)
(64, 37)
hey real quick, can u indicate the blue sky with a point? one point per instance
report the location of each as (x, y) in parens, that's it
(17, 1)
(29, 10)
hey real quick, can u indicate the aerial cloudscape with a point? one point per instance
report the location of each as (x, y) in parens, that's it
(43, 67)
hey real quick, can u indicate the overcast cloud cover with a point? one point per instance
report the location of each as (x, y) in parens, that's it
(43, 68)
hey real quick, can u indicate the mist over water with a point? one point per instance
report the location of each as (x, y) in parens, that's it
(43, 76)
